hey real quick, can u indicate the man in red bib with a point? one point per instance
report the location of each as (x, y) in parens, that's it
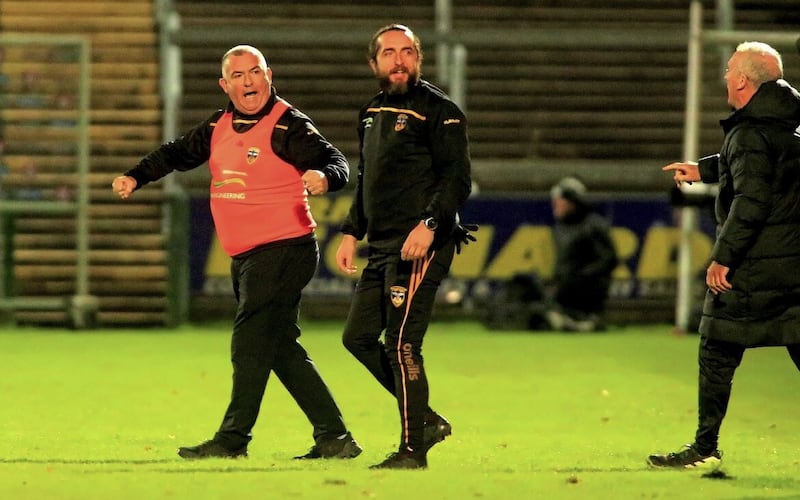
(265, 158)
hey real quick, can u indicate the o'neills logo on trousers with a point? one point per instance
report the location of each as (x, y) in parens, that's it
(413, 368)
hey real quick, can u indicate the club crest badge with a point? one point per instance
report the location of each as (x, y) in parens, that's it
(398, 295)
(252, 155)
(402, 121)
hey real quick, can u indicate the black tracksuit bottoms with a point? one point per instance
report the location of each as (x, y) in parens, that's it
(397, 296)
(718, 361)
(267, 284)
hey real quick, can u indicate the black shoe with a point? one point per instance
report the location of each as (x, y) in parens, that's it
(687, 458)
(343, 446)
(210, 449)
(436, 429)
(403, 459)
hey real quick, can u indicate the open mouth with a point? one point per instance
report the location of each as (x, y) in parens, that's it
(252, 93)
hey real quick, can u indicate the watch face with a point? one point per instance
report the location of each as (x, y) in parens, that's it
(431, 223)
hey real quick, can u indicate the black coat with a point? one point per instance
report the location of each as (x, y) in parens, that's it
(758, 221)
(585, 259)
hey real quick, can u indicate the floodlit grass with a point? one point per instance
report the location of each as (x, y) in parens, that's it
(99, 414)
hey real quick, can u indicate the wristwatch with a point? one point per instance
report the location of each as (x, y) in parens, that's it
(431, 223)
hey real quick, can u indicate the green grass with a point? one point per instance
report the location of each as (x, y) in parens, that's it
(99, 414)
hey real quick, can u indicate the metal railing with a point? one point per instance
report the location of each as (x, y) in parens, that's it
(452, 52)
(81, 306)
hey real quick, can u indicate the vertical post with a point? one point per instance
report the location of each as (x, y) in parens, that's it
(178, 258)
(7, 225)
(171, 68)
(82, 307)
(444, 15)
(725, 21)
(7, 229)
(688, 215)
(175, 221)
(458, 77)
(82, 285)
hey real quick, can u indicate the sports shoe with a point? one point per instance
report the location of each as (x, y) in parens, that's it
(403, 459)
(343, 446)
(210, 449)
(687, 458)
(436, 429)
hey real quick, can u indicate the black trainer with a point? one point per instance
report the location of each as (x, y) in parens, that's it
(403, 459)
(210, 449)
(687, 458)
(343, 446)
(436, 429)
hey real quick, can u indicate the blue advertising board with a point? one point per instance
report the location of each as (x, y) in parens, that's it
(514, 238)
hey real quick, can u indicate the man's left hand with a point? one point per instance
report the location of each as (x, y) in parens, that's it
(463, 235)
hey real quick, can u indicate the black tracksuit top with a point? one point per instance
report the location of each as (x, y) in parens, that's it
(414, 163)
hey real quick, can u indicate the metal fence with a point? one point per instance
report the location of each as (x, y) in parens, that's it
(44, 157)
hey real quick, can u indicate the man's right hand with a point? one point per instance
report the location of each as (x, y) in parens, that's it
(717, 278)
(346, 254)
(123, 186)
(683, 172)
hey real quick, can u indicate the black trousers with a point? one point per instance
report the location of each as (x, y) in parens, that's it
(397, 296)
(267, 285)
(718, 361)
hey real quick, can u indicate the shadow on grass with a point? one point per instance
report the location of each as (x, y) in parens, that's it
(188, 467)
(81, 461)
(227, 470)
(574, 470)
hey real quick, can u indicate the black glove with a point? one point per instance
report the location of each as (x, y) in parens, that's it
(463, 236)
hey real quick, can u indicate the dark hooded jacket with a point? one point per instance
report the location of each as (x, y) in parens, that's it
(585, 259)
(758, 221)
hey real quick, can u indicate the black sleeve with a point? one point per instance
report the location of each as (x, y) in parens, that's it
(605, 255)
(301, 145)
(188, 151)
(451, 161)
(708, 167)
(356, 222)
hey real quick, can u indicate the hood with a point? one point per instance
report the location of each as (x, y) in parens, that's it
(774, 102)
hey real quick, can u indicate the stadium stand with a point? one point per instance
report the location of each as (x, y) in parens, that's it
(524, 105)
(127, 256)
(549, 103)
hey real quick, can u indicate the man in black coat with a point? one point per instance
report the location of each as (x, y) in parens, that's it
(753, 296)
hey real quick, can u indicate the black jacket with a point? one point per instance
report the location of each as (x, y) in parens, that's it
(758, 221)
(414, 163)
(585, 259)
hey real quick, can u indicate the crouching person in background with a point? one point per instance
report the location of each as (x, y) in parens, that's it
(585, 259)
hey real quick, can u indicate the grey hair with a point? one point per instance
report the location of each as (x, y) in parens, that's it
(243, 49)
(764, 63)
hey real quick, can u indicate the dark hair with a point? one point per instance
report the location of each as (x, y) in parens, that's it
(372, 51)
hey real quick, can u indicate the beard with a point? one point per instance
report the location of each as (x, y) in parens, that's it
(398, 88)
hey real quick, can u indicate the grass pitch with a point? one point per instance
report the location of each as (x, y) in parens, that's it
(100, 414)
